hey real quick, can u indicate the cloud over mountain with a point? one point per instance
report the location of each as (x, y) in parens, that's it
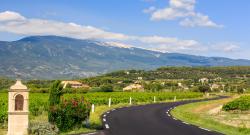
(14, 22)
(184, 12)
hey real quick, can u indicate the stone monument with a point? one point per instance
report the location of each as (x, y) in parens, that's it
(18, 109)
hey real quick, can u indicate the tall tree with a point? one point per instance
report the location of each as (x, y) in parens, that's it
(54, 99)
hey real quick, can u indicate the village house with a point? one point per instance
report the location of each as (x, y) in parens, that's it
(139, 78)
(214, 86)
(134, 87)
(182, 86)
(204, 80)
(74, 84)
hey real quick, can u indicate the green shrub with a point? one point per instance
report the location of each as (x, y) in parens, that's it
(71, 113)
(204, 88)
(107, 88)
(42, 129)
(103, 88)
(3, 111)
(95, 89)
(242, 103)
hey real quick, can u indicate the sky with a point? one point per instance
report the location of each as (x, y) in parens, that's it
(199, 27)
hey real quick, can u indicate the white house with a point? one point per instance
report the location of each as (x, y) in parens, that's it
(74, 84)
(134, 87)
(204, 80)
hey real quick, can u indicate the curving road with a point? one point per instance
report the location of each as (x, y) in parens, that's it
(153, 119)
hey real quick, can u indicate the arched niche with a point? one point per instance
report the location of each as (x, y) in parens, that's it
(19, 101)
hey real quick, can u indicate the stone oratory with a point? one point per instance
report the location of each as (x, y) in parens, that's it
(18, 109)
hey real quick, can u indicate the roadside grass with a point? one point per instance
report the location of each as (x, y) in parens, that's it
(95, 117)
(197, 114)
(78, 131)
(3, 131)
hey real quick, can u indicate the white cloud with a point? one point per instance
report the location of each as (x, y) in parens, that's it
(10, 16)
(13, 22)
(199, 20)
(171, 44)
(226, 47)
(25, 26)
(182, 4)
(183, 10)
(169, 14)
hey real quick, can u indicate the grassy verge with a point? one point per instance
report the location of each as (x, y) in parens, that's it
(200, 114)
(3, 131)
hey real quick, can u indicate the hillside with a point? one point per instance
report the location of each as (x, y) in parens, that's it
(52, 57)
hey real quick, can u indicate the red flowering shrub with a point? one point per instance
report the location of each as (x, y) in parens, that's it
(70, 113)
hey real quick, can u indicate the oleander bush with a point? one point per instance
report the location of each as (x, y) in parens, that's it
(66, 113)
(71, 113)
(242, 104)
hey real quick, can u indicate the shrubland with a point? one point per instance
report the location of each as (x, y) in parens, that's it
(241, 104)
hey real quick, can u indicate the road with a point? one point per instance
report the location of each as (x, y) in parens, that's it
(152, 119)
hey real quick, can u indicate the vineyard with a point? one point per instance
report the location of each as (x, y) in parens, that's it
(242, 104)
(39, 102)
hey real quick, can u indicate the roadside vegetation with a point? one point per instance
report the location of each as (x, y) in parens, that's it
(210, 115)
(39, 104)
(240, 104)
(162, 85)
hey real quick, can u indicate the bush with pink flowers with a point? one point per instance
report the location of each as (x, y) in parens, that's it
(71, 113)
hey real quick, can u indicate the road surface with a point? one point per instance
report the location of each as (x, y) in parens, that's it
(153, 119)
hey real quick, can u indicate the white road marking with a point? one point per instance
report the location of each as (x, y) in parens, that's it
(204, 129)
(168, 115)
(185, 123)
(107, 126)
(104, 115)
(108, 112)
(104, 120)
(113, 109)
(174, 118)
(89, 134)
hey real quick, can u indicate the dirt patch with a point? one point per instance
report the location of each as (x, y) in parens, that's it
(234, 119)
(214, 111)
(212, 106)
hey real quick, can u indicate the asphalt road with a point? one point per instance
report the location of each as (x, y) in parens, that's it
(153, 119)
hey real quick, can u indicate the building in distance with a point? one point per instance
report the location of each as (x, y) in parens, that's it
(74, 84)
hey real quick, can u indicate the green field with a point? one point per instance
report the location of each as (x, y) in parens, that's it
(38, 103)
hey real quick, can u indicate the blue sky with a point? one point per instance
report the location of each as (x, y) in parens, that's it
(200, 27)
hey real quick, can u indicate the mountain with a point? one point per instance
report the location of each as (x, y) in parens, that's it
(53, 57)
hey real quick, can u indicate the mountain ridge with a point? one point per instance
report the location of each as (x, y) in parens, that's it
(53, 57)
